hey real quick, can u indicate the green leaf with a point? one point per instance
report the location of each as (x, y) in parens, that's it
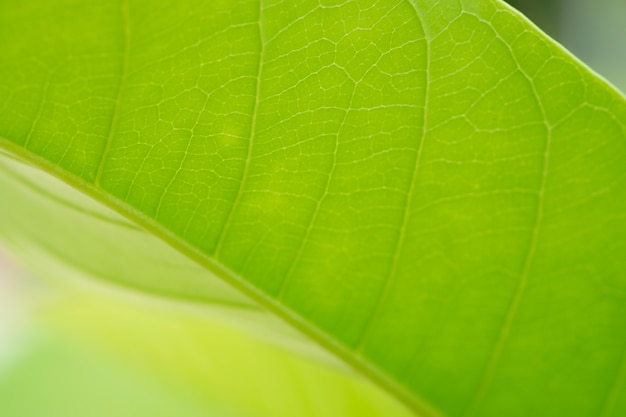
(431, 190)
(177, 343)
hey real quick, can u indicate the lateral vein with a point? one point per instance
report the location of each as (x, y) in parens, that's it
(246, 168)
(393, 270)
(615, 390)
(121, 87)
(496, 353)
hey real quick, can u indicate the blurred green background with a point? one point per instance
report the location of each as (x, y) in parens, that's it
(593, 30)
(43, 372)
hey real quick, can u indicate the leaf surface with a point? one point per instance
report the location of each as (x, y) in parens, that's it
(434, 191)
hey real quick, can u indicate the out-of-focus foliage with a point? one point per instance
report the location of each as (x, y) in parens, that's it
(594, 30)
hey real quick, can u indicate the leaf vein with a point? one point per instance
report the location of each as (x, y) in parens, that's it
(520, 289)
(246, 169)
(118, 99)
(393, 270)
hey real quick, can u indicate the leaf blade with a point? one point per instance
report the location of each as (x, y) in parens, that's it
(520, 144)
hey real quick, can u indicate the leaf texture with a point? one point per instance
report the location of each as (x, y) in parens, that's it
(434, 190)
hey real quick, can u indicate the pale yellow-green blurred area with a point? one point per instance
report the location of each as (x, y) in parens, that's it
(49, 366)
(78, 354)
